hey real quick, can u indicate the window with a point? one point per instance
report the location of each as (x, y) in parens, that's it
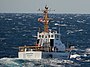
(45, 36)
(40, 36)
(56, 36)
(48, 36)
(52, 36)
(57, 39)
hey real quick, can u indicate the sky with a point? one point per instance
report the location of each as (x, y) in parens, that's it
(31, 6)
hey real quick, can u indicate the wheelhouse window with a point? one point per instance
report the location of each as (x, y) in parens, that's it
(52, 36)
(42, 36)
(48, 36)
(45, 36)
(39, 36)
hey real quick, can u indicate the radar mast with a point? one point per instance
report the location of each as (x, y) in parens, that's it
(46, 19)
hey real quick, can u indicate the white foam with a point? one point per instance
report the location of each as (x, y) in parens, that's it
(16, 62)
(8, 62)
(87, 50)
(74, 56)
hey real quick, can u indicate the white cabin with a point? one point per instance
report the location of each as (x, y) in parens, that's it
(50, 39)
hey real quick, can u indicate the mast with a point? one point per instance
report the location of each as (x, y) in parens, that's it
(46, 19)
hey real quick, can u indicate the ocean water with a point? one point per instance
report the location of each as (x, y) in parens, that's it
(18, 29)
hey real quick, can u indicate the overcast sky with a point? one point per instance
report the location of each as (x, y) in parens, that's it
(31, 6)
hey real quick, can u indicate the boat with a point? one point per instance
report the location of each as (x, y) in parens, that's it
(48, 44)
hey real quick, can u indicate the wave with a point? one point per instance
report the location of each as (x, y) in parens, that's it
(16, 62)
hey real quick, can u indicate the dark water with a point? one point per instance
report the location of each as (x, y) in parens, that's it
(18, 29)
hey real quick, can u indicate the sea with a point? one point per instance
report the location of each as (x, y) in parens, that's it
(19, 29)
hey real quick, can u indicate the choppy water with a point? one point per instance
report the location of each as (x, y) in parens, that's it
(17, 29)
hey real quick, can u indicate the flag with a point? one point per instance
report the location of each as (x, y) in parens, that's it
(40, 20)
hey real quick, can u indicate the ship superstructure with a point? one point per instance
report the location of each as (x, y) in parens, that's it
(48, 44)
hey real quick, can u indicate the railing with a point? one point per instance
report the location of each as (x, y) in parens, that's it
(39, 48)
(34, 48)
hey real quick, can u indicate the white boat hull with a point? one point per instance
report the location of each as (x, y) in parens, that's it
(40, 55)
